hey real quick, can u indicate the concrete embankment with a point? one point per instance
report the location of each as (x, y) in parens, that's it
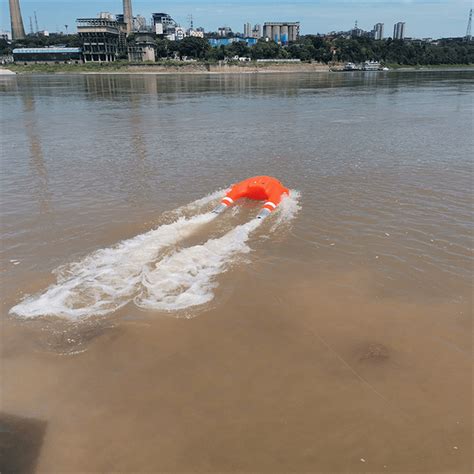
(6, 72)
(203, 68)
(171, 68)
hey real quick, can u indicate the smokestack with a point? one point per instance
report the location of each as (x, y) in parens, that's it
(127, 15)
(18, 30)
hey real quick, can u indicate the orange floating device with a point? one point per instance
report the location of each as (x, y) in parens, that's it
(259, 188)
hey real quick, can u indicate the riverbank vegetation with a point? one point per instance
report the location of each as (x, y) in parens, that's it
(323, 49)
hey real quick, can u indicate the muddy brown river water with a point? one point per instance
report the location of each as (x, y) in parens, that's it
(142, 333)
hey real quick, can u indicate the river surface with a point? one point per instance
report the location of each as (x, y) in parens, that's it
(140, 332)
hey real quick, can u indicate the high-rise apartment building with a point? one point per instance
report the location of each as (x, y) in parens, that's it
(224, 31)
(247, 30)
(378, 31)
(399, 30)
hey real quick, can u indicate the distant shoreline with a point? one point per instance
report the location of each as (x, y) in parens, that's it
(205, 68)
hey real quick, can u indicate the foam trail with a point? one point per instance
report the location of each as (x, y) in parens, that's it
(186, 278)
(107, 279)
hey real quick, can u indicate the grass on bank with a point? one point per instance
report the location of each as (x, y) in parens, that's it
(116, 66)
(124, 66)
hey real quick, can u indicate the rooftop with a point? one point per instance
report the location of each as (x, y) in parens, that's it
(46, 50)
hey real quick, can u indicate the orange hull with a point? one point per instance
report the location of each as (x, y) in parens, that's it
(259, 188)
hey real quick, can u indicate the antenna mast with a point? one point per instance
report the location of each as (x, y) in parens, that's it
(36, 23)
(31, 26)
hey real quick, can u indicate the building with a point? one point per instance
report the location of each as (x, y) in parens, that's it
(51, 55)
(139, 23)
(110, 16)
(282, 32)
(257, 32)
(163, 24)
(247, 30)
(196, 33)
(399, 30)
(180, 33)
(216, 42)
(143, 48)
(378, 31)
(224, 31)
(103, 39)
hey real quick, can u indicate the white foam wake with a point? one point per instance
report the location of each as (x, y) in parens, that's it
(187, 277)
(107, 279)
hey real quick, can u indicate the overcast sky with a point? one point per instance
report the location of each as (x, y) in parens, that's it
(424, 18)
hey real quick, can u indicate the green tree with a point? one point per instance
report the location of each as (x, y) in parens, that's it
(193, 47)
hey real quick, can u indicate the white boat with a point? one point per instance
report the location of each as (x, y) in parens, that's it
(372, 66)
(351, 67)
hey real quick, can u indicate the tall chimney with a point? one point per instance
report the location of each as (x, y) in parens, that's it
(127, 15)
(18, 30)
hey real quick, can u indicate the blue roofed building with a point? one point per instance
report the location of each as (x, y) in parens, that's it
(53, 55)
(216, 42)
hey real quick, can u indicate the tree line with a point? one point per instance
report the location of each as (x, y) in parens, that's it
(307, 48)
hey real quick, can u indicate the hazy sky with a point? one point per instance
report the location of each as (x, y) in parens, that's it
(424, 18)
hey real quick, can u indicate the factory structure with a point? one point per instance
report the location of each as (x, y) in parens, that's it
(103, 38)
(282, 32)
(18, 30)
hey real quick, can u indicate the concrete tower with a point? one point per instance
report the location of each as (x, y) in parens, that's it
(128, 15)
(18, 30)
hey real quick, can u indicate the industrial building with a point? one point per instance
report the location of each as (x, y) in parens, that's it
(143, 48)
(52, 55)
(399, 30)
(103, 39)
(128, 16)
(282, 33)
(216, 42)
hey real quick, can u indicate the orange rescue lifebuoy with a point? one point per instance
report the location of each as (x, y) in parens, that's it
(260, 188)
